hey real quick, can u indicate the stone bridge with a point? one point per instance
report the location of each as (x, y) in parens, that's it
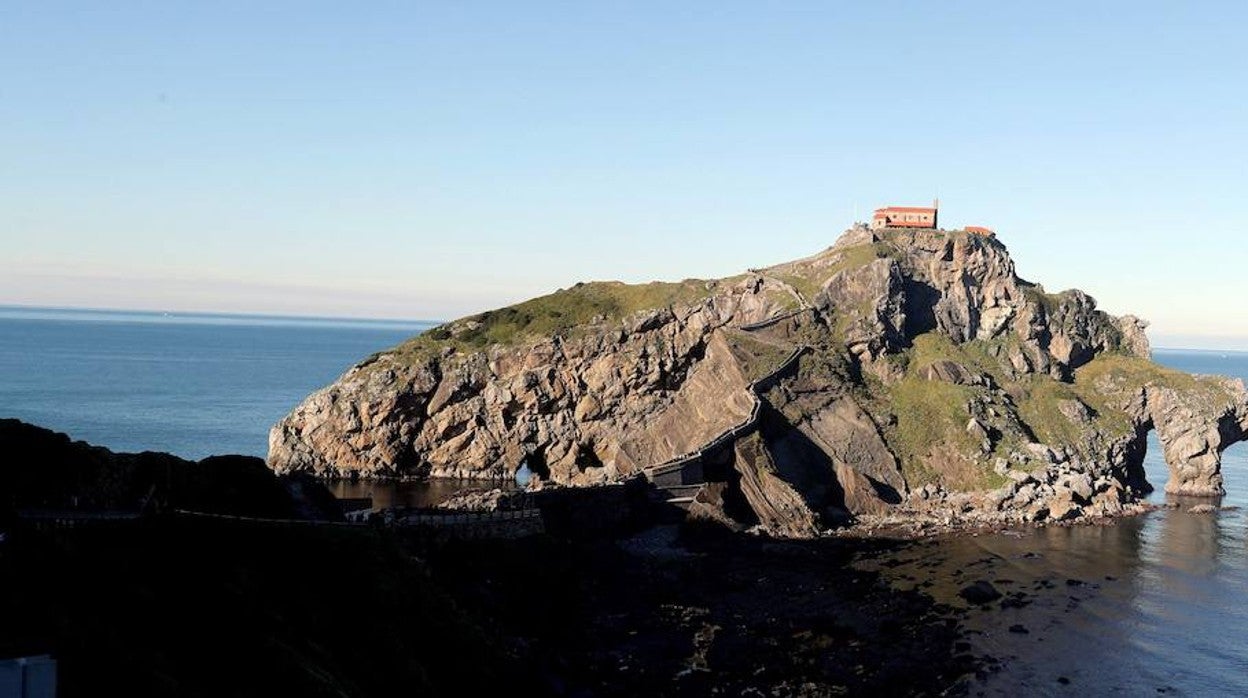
(496, 523)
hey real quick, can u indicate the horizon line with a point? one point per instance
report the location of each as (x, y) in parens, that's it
(221, 313)
(433, 322)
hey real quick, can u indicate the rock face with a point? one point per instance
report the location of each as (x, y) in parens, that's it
(46, 470)
(593, 407)
(929, 380)
(1194, 427)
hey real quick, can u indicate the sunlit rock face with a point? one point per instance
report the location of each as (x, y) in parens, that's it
(931, 381)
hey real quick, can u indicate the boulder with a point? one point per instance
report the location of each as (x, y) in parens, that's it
(979, 593)
(1063, 507)
(1194, 426)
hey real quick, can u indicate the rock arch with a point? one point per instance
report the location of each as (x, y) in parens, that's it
(1195, 425)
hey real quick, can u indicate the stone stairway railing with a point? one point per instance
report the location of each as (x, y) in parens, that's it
(260, 519)
(71, 518)
(497, 523)
(775, 319)
(732, 433)
(451, 517)
(793, 290)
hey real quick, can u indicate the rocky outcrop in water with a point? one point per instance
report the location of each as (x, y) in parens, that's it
(1195, 424)
(918, 376)
(48, 473)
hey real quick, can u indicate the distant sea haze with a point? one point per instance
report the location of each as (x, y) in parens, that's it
(189, 384)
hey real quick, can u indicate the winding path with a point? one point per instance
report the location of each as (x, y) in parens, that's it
(756, 387)
(672, 475)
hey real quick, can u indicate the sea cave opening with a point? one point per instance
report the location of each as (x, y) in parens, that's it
(1152, 470)
(1235, 474)
(1148, 472)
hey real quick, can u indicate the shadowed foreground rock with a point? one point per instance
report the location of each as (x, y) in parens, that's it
(158, 605)
(46, 470)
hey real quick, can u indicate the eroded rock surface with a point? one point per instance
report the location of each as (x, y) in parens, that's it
(1194, 426)
(934, 382)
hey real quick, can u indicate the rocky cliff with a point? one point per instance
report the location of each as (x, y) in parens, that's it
(895, 374)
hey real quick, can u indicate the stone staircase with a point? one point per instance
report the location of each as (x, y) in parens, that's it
(680, 496)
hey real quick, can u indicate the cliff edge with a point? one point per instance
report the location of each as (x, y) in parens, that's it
(898, 373)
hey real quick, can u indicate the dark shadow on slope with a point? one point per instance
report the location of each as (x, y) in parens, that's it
(1135, 476)
(919, 307)
(721, 468)
(886, 492)
(803, 465)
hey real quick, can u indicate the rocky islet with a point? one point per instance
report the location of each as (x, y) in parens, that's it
(896, 378)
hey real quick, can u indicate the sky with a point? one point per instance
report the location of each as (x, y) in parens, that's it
(428, 160)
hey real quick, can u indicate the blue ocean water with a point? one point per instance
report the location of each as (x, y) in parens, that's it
(189, 384)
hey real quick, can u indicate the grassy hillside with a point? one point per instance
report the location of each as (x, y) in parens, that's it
(809, 275)
(563, 312)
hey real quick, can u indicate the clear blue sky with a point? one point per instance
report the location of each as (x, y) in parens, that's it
(425, 160)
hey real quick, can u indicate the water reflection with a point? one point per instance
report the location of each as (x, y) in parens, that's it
(1190, 542)
(1148, 604)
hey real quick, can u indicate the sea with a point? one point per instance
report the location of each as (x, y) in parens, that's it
(189, 384)
(1155, 604)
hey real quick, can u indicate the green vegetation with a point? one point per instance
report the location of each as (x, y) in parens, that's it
(1036, 399)
(977, 355)
(757, 358)
(928, 413)
(855, 257)
(809, 276)
(563, 312)
(1134, 372)
(806, 286)
(1039, 406)
(1109, 377)
(1036, 293)
(991, 480)
(933, 346)
(931, 415)
(785, 300)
